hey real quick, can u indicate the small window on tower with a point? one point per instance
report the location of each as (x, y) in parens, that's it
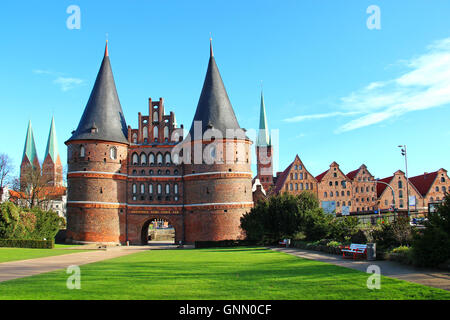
(82, 151)
(113, 153)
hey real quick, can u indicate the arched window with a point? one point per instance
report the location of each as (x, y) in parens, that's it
(296, 186)
(159, 189)
(159, 158)
(324, 194)
(290, 186)
(400, 193)
(151, 158)
(150, 188)
(431, 199)
(400, 184)
(155, 133)
(307, 186)
(442, 179)
(175, 172)
(175, 188)
(145, 132)
(113, 153)
(166, 132)
(150, 172)
(142, 188)
(167, 188)
(134, 188)
(134, 138)
(82, 151)
(301, 186)
(143, 159)
(167, 158)
(135, 159)
(337, 193)
(444, 190)
(301, 175)
(167, 172)
(155, 116)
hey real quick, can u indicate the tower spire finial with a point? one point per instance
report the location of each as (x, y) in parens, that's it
(106, 47)
(210, 46)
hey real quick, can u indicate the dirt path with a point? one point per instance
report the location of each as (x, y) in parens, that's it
(429, 277)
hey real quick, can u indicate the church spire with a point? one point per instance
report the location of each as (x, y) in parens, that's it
(263, 134)
(103, 117)
(29, 150)
(214, 109)
(52, 143)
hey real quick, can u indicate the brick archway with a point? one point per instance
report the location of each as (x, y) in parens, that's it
(138, 226)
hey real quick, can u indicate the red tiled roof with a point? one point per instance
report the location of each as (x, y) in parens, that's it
(424, 182)
(381, 186)
(281, 178)
(320, 176)
(351, 175)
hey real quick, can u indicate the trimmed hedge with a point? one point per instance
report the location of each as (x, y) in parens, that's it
(36, 244)
(224, 243)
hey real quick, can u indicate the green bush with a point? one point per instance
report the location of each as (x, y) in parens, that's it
(316, 224)
(432, 246)
(278, 217)
(36, 244)
(18, 223)
(343, 227)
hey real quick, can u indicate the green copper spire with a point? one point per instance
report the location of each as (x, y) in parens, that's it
(30, 146)
(52, 143)
(263, 134)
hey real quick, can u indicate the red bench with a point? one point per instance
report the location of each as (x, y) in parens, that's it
(355, 250)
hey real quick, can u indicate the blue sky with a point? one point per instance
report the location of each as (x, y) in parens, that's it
(334, 89)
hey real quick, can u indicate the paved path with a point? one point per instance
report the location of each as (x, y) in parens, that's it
(25, 268)
(429, 277)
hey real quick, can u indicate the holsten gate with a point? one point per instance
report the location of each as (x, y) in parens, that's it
(120, 179)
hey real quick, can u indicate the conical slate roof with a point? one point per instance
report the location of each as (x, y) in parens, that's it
(103, 117)
(263, 133)
(214, 108)
(30, 146)
(52, 143)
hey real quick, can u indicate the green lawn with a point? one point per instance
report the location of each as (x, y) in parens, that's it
(230, 273)
(13, 254)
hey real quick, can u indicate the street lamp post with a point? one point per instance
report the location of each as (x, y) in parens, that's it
(403, 149)
(393, 196)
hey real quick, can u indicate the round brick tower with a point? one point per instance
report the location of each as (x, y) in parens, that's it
(217, 174)
(97, 157)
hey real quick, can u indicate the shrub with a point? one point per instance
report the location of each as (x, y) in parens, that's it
(278, 217)
(316, 224)
(343, 227)
(432, 246)
(39, 244)
(17, 223)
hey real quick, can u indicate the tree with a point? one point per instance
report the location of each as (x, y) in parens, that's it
(273, 219)
(432, 246)
(33, 188)
(280, 216)
(6, 168)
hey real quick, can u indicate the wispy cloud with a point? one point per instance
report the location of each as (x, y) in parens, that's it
(319, 116)
(65, 83)
(425, 84)
(68, 83)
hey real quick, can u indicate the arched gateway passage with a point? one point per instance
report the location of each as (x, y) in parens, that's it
(158, 231)
(138, 229)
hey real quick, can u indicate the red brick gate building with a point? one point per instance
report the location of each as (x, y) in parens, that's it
(120, 178)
